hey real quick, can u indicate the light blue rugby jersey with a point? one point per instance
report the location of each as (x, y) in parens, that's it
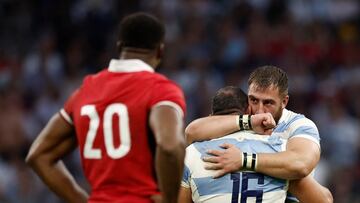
(206, 189)
(237, 187)
(291, 125)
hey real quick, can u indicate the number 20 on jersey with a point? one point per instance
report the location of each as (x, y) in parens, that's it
(124, 131)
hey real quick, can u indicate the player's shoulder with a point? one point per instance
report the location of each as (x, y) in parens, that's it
(157, 76)
(160, 78)
(95, 77)
(201, 147)
(291, 122)
(163, 85)
(153, 78)
(292, 118)
(192, 147)
(193, 155)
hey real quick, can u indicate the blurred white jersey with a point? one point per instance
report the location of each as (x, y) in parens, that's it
(239, 187)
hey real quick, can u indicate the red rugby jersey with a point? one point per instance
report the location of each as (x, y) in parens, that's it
(110, 113)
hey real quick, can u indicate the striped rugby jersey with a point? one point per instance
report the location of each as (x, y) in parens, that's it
(206, 189)
(291, 125)
(242, 186)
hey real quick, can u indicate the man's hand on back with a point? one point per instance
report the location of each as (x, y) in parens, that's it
(224, 161)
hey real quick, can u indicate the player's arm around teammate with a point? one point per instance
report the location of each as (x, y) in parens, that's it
(212, 127)
(297, 161)
(167, 125)
(308, 190)
(55, 141)
(290, 164)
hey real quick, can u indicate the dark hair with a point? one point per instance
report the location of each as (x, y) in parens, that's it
(141, 30)
(229, 100)
(266, 76)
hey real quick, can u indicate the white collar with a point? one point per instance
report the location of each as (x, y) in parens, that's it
(284, 114)
(129, 65)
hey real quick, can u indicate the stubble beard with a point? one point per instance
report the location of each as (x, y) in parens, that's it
(278, 115)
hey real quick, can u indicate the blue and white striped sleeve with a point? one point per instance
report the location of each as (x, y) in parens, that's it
(305, 128)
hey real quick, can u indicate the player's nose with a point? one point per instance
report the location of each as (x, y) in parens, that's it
(260, 108)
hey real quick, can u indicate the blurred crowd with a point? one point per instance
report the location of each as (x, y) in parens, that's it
(46, 47)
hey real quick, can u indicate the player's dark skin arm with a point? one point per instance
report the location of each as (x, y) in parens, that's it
(308, 190)
(54, 142)
(185, 195)
(167, 125)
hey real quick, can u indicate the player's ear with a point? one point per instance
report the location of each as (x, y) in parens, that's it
(285, 101)
(119, 46)
(160, 51)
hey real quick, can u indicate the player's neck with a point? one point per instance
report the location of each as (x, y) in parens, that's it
(142, 54)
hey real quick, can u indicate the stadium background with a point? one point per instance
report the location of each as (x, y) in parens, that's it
(46, 47)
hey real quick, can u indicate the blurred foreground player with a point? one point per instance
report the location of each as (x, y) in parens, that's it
(119, 116)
